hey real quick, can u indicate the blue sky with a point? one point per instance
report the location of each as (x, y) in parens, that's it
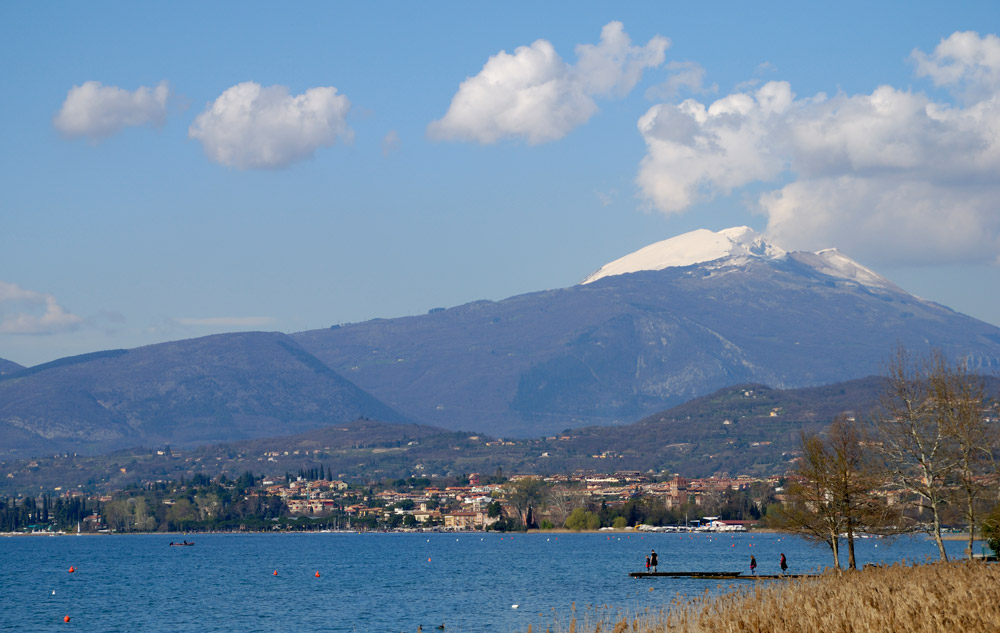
(183, 169)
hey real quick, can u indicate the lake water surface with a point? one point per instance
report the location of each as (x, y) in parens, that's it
(376, 582)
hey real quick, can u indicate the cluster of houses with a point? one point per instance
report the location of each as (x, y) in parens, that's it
(467, 507)
(477, 505)
(453, 507)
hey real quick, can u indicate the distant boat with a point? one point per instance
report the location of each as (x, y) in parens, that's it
(184, 544)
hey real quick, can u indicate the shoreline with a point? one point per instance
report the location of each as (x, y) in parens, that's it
(558, 531)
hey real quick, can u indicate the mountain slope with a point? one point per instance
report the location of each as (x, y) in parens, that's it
(716, 309)
(742, 429)
(8, 366)
(625, 345)
(211, 389)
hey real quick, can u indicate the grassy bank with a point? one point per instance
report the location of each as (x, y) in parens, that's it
(955, 597)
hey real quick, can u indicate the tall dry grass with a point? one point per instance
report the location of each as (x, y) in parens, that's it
(960, 597)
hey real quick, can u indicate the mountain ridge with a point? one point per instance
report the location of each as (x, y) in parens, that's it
(214, 388)
(637, 342)
(607, 352)
(9, 367)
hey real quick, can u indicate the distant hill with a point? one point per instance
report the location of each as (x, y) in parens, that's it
(9, 366)
(744, 429)
(213, 389)
(749, 428)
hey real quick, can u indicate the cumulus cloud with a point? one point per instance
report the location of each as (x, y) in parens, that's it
(695, 152)
(908, 221)
(613, 66)
(253, 127)
(892, 176)
(533, 94)
(28, 312)
(97, 111)
(963, 61)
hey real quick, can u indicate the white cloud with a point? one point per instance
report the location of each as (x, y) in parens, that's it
(390, 142)
(98, 111)
(535, 95)
(29, 312)
(695, 152)
(891, 176)
(613, 66)
(684, 76)
(251, 127)
(905, 222)
(764, 68)
(963, 61)
(251, 321)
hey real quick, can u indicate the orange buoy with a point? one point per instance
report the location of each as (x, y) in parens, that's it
(317, 574)
(428, 560)
(275, 572)
(71, 569)
(66, 618)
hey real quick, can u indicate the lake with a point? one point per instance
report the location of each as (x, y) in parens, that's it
(377, 582)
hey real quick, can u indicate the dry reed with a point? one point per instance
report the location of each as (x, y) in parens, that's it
(957, 597)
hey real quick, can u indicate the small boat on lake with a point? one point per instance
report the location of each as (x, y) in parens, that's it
(184, 544)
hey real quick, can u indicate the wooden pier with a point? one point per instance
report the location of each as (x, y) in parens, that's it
(713, 575)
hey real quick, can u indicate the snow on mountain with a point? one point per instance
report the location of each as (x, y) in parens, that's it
(692, 248)
(832, 262)
(732, 247)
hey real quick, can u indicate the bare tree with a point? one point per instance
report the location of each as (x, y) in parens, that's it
(834, 490)
(855, 481)
(809, 509)
(960, 401)
(560, 501)
(931, 431)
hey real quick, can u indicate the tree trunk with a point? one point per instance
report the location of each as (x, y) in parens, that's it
(835, 546)
(937, 533)
(972, 526)
(851, 562)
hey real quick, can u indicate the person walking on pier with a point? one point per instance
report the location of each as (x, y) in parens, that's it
(753, 565)
(652, 560)
(784, 565)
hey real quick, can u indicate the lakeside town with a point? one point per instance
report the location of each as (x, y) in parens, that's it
(311, 500)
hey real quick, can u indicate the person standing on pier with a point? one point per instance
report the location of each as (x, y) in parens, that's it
(652, 560)
(647, 564)
(784, 565)
(753, 565)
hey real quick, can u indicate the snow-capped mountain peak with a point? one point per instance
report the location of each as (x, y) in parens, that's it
(692, 248)
(734, 246)
(832, 262)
